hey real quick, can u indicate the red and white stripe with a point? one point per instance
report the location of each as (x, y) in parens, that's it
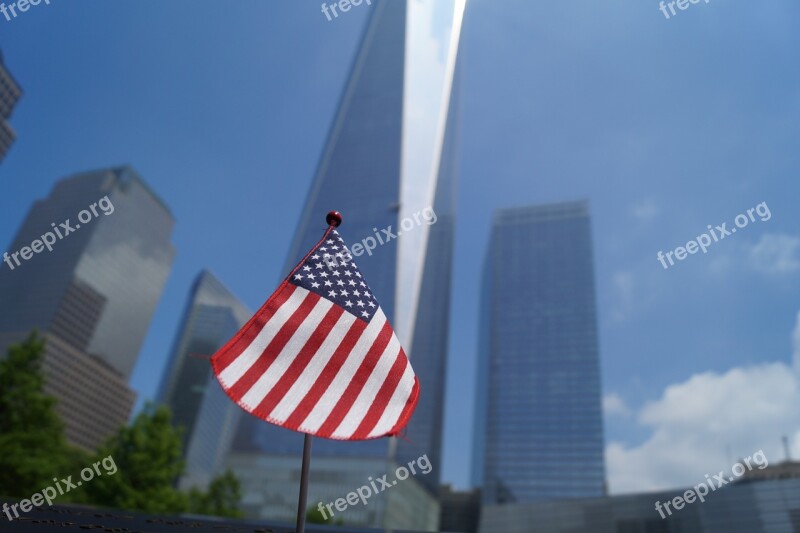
(304, 363)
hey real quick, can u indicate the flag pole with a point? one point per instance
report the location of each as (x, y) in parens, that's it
(301, 503)
(334, 218)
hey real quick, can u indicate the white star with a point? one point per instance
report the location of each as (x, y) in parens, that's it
(315, 256)
(322, 248)
(323, 274)
(362, 283)
(364, 314)
(360, 303)
(336, 273)
(351, 283)
(348, 303)
(345, 293)
(329, 241)
(356, 292)
(370, 304)
(366, 294)
(306, 268)
(332, 294)
(298, 276)
(318, 265)
(348, 273)
(315, 285)
(340, 282)
(328, 283)
(334, 247)
(312, 276)
(358, 274)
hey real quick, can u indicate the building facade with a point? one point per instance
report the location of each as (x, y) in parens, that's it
(758, 506)
(539, 430)
(93, 399)
(10, 93)
(198, 404)
(95, 291)
(389, 163)
(460, 510)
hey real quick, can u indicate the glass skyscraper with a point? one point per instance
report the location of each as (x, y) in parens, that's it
(10, 93)
(96, 291)
(390, 155)
(539, 430)
(213, 315)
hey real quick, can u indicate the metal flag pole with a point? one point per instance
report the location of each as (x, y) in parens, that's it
(301, 502)
(334, 219)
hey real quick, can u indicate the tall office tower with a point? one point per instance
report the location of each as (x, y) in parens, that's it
(390, 156)
(539, 428)
(95, 292)
(213, 315)
(10, 93)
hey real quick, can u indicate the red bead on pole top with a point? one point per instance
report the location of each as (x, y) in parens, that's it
(334, 219)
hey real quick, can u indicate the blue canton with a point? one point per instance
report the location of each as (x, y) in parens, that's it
(331, 273)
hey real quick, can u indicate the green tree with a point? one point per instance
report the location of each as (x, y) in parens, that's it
(34, 449)
(147, 453)
(314, 516)
(221, 499)
(148, 458)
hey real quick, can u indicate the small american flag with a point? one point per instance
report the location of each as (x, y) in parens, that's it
(320, 356)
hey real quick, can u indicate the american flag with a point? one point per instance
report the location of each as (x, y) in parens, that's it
(320, 356)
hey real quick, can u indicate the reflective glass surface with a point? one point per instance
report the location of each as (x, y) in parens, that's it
(122, 258)
(543, 431)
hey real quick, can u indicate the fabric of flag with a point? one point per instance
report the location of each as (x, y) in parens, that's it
(320, 356)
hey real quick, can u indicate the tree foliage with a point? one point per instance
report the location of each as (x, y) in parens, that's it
(32, 441)
(147, 454)
(148, 457)
(315, 516)
(221, 499)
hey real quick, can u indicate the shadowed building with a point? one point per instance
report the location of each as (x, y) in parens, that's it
(460, 510)
(10, 93)
(198, 404)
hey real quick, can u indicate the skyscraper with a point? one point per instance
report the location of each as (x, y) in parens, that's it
(213, 315)
(390, 155)
(95, 291)
(539, 430)
(10, 93)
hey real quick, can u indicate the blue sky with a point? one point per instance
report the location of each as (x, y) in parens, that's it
(666, 126)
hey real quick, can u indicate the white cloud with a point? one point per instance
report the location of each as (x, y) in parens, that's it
(776, 253)
(614, 405)
(796, 344)
(706, 423)
(644, 210)
(624, 286)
